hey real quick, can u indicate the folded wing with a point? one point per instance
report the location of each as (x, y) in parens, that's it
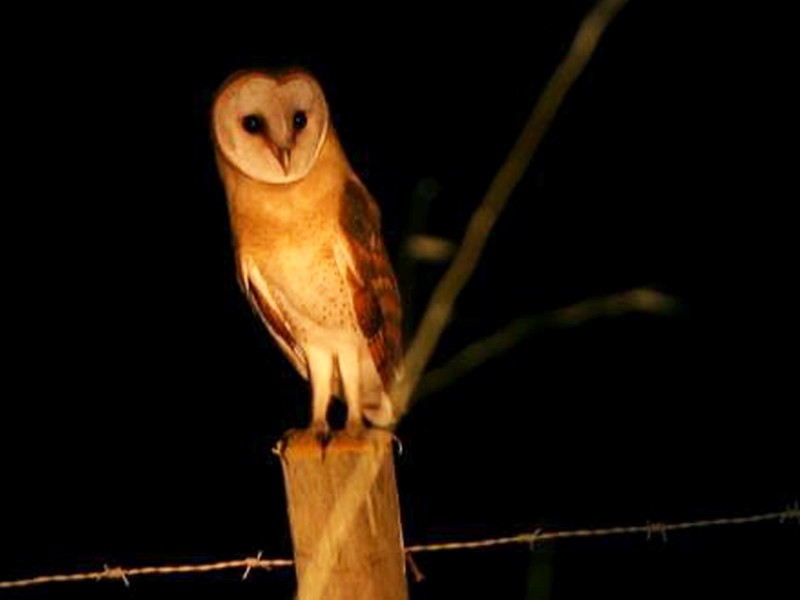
(376, 299)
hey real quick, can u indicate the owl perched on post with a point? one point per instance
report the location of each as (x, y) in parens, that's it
(307, 239)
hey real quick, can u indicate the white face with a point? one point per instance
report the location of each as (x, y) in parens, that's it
(271, 128)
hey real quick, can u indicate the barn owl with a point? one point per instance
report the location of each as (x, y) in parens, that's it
(309, 253)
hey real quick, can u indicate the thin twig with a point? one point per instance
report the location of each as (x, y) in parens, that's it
(484, 218)
(639, 300)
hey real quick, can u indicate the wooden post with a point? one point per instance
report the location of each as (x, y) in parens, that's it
(344, 517)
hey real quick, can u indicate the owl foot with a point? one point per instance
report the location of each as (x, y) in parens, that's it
(305, 439)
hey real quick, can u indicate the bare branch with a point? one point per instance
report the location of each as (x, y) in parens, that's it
(642, 300)
(483, 220)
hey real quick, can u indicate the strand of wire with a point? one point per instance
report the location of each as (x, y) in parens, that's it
(649, 529)
(530, 538)
(124, 574)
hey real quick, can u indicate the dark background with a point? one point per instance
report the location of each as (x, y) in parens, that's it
(141, 397)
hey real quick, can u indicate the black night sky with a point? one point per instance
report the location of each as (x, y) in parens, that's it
(141, 397)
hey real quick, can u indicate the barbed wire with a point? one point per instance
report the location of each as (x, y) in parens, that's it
(651, 530)
(125, 574)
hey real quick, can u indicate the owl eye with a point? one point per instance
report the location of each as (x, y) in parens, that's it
(253, 123)
(299, 121)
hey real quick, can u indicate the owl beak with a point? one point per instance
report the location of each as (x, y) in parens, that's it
(284, 157)
(283, 154)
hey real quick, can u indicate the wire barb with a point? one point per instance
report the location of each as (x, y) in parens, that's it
(534, 537)
(654, 529)
(252, 563)
(792, 513)
(115, 573)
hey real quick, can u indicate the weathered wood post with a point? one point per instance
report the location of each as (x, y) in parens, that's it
(344, 516)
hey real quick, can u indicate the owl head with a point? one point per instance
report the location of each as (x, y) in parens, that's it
(272, 128)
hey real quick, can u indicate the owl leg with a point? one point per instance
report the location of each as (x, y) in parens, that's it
(320, 367)
(351, 384)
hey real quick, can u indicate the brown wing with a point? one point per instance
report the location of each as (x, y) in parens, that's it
(375, 295)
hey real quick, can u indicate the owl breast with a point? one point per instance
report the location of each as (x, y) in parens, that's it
(310, 290)
(311, 294)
